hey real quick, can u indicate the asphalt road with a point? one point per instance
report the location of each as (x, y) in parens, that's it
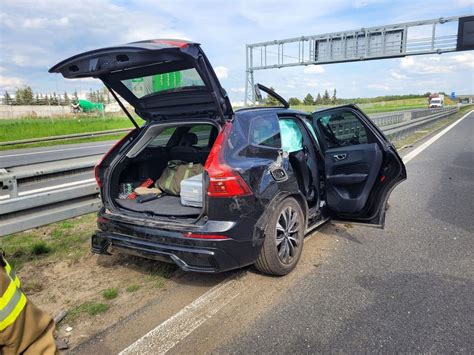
(27, 156)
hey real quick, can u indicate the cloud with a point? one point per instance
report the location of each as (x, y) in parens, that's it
(20, 60)
(437, 64)
(10, 82)
(379, 87)
(313, 69)
(221, 72)
(237, 90)
(364, 3)
(42, 22)
(396, 74)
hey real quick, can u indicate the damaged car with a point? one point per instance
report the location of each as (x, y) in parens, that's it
(210, 189)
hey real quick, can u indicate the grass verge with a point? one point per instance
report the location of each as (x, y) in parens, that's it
(58, 240)
(27, 128)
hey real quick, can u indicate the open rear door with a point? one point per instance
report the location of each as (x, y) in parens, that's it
(361, 165)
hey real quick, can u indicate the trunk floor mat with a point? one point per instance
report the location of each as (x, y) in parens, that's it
(164, 206)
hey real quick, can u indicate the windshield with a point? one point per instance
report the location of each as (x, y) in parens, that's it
(173, 81)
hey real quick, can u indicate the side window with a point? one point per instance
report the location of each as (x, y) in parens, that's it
(163, 138)
(341, 128)
(265, 131)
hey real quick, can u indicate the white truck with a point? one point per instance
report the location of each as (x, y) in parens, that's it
(436, 100)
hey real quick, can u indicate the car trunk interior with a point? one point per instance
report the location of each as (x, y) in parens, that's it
(148, 159)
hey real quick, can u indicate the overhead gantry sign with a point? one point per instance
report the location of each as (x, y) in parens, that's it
(447, 34)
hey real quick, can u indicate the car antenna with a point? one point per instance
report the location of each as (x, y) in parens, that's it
(122, 106)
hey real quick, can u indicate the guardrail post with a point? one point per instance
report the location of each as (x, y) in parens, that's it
(11, 185)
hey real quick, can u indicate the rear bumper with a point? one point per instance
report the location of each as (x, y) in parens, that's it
(189, 254)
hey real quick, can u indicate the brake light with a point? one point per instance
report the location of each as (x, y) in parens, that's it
(204, 236)
(98, 165)
(223, 181)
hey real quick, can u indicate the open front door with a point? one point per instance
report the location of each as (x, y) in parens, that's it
(361, 165)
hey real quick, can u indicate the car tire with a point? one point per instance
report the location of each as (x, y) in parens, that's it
(283, 242)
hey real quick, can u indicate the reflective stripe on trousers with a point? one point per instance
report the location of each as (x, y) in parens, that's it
(12, 301)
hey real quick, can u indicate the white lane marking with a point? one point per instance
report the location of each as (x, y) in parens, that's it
(169, 333)
(49, 188)
(54, 151)
(433, 139)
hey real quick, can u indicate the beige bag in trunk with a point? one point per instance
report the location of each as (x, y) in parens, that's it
(174, 173)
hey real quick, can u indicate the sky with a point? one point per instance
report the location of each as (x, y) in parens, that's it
(35, 35)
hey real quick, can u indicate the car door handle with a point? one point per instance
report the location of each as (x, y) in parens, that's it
(339, 156)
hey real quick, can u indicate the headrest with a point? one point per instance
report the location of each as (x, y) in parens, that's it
(188, 139)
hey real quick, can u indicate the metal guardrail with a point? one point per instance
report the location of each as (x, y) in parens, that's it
(20, 211)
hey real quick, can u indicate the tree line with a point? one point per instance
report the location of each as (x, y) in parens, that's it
(26, 96)
(326, 99)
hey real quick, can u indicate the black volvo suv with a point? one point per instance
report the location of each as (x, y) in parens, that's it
(271, 175)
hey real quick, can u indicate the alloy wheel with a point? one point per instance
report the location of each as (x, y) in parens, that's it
(288, 236)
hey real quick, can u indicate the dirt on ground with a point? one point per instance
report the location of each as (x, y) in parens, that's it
(77, 287)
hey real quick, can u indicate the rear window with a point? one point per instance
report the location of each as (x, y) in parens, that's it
(173, 81)
(163, 138)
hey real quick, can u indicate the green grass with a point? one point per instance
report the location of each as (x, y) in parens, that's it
(132, 288)
(110, 293)
(67, 238)
(40, 247)
(90, 308)
(28, 128)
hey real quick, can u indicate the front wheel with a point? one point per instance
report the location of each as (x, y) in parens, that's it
(283, 241)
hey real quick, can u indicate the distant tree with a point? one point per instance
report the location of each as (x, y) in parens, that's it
(270, 100)
(294, 101)
(46, 100)
(66, 99)
(19, 97)
(106, 95)
(308, 99)
(75, 97)
(319, 100)
(28, 97)
(326, 99)
(334, 98)
(54, 99)
(7, 100)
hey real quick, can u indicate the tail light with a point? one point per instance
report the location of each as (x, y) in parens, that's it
(98, 165)
(205, 236)
(223, 181)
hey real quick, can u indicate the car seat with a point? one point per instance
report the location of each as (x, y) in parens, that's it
(185, 150)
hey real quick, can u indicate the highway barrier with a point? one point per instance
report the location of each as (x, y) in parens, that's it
(71, 190)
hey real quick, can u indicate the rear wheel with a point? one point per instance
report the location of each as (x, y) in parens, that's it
(283, 242)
